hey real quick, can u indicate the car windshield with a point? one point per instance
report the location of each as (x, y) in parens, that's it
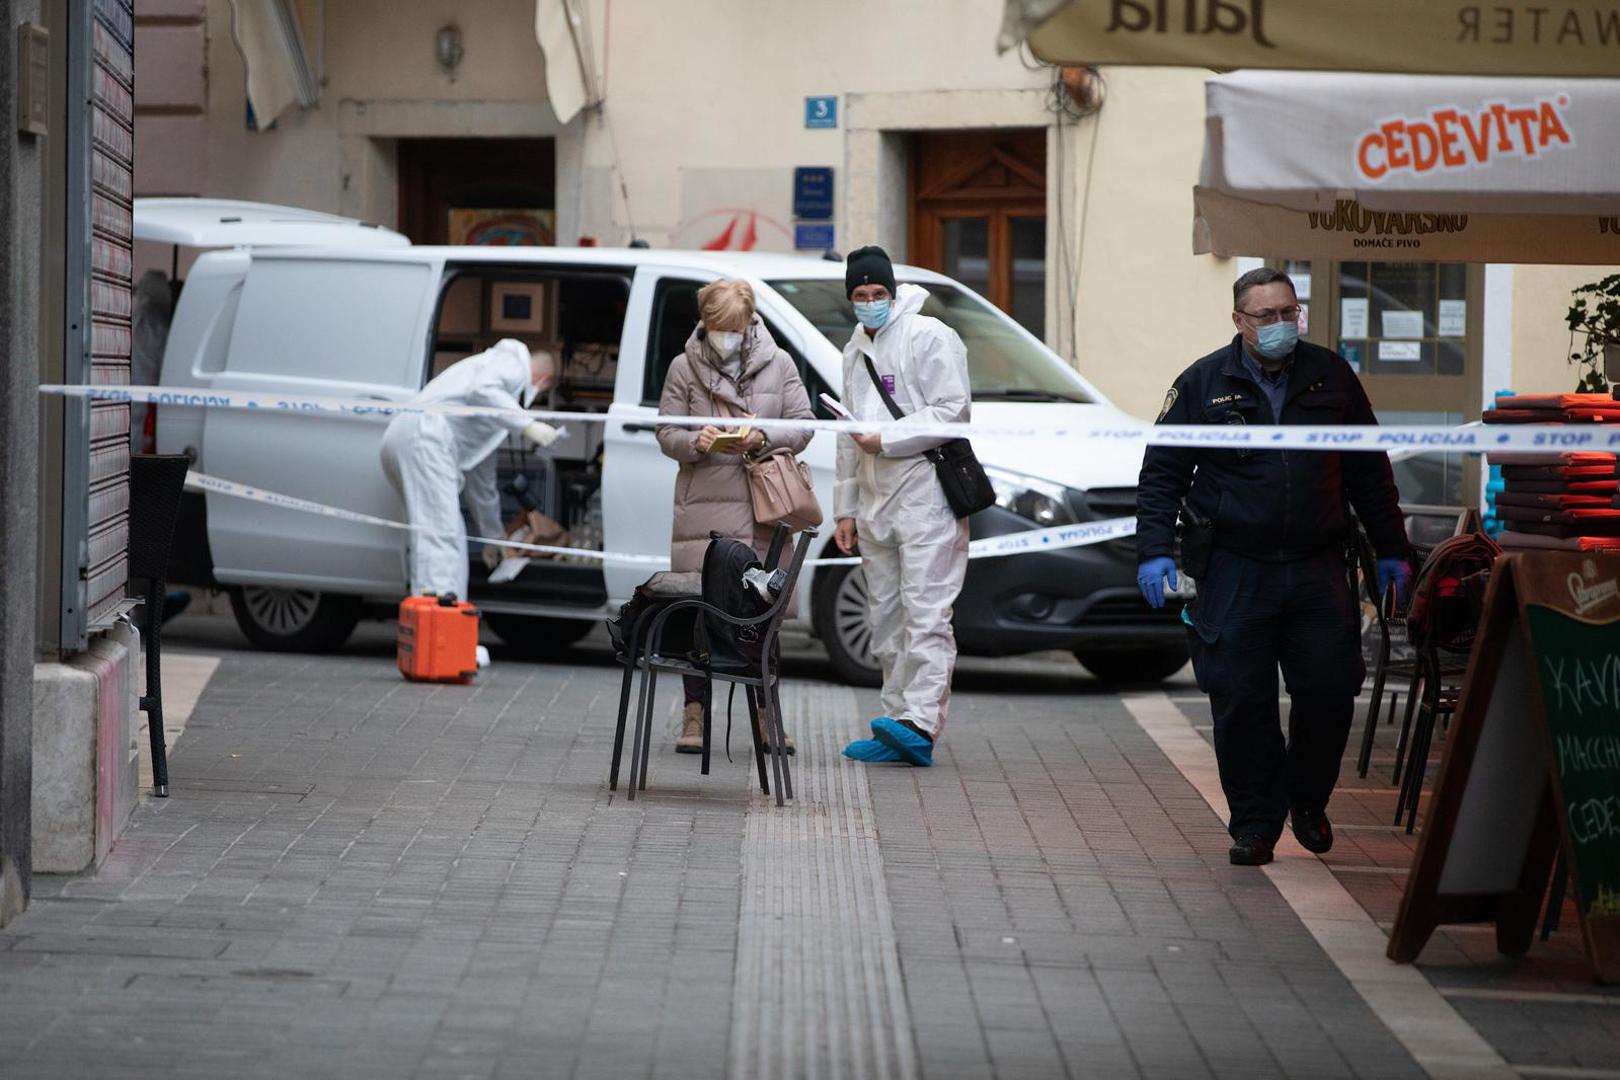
(1002, 362)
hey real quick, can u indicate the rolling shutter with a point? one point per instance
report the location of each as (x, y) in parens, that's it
(111, 146)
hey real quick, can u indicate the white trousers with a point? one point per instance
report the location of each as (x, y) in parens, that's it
(419, 459)
(914, 562)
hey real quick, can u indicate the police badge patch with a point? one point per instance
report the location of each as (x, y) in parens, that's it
(1169, 403)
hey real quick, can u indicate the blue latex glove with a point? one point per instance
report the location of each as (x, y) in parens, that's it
(1396, 572)
(1151, 574)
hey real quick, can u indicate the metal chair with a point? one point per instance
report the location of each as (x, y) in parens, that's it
(156, 482)
(1442, 686)
(646, 655)
(1390, 623)
(657, 591)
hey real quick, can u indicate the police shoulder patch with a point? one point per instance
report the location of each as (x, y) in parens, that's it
(1169, 403)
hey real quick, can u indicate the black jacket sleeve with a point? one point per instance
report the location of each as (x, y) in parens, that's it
(1370, 483)
(1167, 474)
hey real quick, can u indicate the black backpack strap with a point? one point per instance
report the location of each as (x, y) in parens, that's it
(871, 369)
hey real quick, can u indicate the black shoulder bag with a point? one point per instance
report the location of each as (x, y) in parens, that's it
(966, 486)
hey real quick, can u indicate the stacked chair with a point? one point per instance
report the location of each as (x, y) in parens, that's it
(1550, 501)
(1557, 501)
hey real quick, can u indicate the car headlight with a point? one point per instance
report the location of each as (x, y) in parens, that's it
(1031, 498)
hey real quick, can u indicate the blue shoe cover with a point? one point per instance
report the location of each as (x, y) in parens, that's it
(912, 747)
(869, 750)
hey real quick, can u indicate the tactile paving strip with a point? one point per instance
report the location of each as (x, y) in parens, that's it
(818, 988)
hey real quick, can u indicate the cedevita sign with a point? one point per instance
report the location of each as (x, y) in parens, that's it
(1456, 138)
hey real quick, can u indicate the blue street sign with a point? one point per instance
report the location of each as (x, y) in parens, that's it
(812, 237)
(821, 112)
(813, 193)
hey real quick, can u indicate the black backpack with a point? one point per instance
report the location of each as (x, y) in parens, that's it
(649, 598)
(731, 648)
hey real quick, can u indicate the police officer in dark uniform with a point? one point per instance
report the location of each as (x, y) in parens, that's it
(1272, 526)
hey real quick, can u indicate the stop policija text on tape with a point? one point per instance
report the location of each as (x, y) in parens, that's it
(1405, 439)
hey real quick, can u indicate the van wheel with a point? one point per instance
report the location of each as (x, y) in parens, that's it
(532, 637)
(1138, 666)
(294, 620)
(840, 616)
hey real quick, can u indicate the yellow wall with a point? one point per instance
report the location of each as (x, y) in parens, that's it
(1541, 340)
(1145, 306)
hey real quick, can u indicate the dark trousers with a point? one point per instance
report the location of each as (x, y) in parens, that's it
(1249, 618)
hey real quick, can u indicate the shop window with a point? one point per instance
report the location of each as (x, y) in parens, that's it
(1411, 331)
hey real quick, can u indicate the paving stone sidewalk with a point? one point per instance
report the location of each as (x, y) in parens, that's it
(358, 877)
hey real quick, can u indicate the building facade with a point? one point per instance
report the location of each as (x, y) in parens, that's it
(1065, 197)
(68, 685)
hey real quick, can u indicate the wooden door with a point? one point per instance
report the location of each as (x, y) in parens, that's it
(500, 191)
(978, 213)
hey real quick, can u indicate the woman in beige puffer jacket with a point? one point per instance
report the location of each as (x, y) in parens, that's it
(731, 366)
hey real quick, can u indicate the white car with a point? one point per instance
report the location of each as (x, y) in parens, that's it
(356, 312)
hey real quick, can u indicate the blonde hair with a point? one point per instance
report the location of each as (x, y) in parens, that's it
(727, 304)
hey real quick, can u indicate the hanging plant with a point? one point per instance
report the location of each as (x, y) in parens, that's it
(1594, 315)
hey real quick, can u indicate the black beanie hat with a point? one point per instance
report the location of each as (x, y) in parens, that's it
(868, 266)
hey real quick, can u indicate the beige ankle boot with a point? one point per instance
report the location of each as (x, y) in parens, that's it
(691, 737)
(765, 736)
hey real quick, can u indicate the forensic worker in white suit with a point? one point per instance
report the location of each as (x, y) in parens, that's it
(890, 506)
(431, 457)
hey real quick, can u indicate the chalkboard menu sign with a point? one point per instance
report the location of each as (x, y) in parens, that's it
(1532, 764)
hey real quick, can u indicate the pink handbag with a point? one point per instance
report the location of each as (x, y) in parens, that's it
(782, 492)
(779, 484)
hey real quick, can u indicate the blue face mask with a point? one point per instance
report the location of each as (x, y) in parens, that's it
(1277, 340)
(872, 313)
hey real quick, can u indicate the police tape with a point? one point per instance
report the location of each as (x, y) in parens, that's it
(1412, 439)
(1031, 541)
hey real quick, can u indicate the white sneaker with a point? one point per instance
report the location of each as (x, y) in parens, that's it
(483, 657)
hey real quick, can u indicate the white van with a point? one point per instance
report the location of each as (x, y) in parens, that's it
(363, 315)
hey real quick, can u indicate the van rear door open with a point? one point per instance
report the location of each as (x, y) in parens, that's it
(351, 326)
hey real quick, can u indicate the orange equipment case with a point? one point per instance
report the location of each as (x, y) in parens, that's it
(438, 639)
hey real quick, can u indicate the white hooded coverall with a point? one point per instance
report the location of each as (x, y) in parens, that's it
(427, 455)
(913, 547)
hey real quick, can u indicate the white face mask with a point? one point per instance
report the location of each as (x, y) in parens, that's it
(725, 342)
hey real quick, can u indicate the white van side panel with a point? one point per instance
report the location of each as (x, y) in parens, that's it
(352, 328)
(199, 338)
(638, 481)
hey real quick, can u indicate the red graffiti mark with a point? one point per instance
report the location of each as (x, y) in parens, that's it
(723, 241)
(750, 238)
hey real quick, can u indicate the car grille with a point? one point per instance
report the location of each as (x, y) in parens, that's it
(1129, 609)
(1111, 502)
(1100, 504)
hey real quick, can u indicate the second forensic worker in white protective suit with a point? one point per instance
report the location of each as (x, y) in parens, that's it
(430, 457)
(888, 498)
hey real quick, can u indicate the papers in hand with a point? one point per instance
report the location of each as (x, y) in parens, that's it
(836, 407)
(729, 439)
(509, 569)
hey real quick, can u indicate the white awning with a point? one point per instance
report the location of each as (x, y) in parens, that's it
(1421, 168)
(271, 42)
(564, 39)
(215, 223)
(1416, 36)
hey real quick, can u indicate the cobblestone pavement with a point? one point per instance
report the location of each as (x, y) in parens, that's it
(359, 877)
